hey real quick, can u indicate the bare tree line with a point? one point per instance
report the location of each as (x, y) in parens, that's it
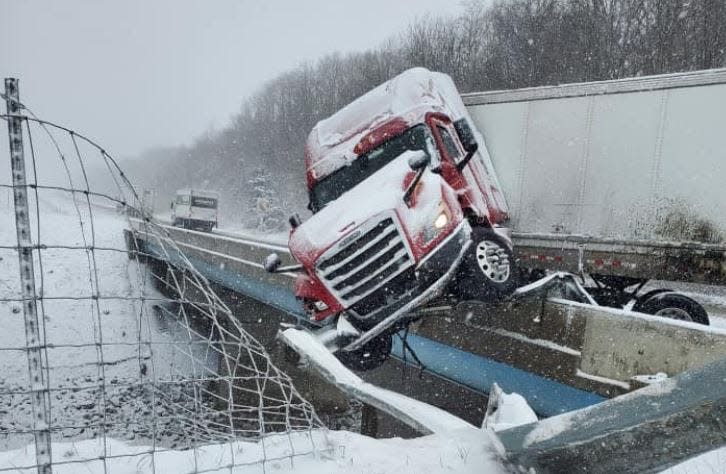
(510, 44)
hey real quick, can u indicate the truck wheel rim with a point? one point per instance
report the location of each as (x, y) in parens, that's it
(493, 261)
(674, 313)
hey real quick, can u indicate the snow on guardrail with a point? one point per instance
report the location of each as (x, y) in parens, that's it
(424, 418)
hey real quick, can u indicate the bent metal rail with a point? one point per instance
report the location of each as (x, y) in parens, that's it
(558, 354)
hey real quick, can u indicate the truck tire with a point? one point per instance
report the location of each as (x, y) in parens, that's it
(670, 304)
(368, 357)
(487, 272)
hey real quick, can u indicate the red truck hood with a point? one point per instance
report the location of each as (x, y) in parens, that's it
(381, 192)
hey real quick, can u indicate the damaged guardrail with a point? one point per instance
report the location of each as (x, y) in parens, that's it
(420, 416)
(644, 431)
(647, 430)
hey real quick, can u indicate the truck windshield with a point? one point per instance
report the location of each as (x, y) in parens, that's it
(335, 185)
(209, 203)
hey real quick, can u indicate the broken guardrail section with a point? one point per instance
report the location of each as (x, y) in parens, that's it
(420, 416)
(647, 430)
(644, 431)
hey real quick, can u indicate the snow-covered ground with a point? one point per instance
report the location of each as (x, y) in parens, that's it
(75, 323)
(712, 462)
(338, 452)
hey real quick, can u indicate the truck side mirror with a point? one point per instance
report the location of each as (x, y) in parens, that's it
(272, 263)
(418, 161)
(172, 205)
(466, 135)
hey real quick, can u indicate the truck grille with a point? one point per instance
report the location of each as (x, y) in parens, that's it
(355, 269)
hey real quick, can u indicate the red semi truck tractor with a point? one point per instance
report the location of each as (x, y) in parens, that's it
(406, 205)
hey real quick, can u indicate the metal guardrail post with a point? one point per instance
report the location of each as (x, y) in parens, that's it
(35, 345)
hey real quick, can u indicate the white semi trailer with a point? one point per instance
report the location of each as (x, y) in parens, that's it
(622, 181)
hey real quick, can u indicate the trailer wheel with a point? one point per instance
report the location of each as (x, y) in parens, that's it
(369, 357)
(673, 305)
(487, 272)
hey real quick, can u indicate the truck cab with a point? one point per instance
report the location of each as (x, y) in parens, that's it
(195, 209)
(405, 205)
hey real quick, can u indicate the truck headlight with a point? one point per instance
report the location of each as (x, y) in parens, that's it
(441, 221)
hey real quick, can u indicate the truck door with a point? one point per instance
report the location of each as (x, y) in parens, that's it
(471, 184)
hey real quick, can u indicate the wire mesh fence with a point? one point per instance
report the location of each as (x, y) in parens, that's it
(106, 366)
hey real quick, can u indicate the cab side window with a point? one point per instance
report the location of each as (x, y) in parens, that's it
(451, 149)
(182, 199)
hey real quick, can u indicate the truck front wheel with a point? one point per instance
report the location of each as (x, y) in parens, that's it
(487, 272)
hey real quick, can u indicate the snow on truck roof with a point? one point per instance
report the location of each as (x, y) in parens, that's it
(408, 96)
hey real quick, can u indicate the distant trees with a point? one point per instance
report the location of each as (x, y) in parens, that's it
(516, 43)
(264, 212)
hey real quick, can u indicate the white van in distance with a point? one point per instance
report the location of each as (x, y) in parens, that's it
(195, 209)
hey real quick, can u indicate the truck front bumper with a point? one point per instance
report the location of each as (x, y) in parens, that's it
(417, 285)
(386, 319)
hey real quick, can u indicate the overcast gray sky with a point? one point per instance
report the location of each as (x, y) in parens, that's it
(137, 73)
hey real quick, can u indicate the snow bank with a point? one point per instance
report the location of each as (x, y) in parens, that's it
(338, 452)
(712, 462)
(507, 410)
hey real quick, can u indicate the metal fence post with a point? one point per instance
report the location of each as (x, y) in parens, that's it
(35, 345)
